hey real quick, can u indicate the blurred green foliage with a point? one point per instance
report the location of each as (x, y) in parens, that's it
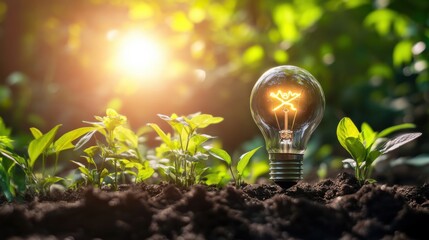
(371, 58)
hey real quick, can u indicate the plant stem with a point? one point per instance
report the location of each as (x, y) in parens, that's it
(232, 174)
(176, 168)
(115, 181)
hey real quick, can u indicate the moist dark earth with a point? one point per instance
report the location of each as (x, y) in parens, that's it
(337, 208)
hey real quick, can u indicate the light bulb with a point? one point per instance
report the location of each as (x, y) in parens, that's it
(287, 104)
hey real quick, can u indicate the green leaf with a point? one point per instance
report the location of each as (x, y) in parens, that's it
(39, 145)
(356, 149)
(92, 151)
(214, 178)
(203, 121)
(83, 140)
(51, 180)
(19, 178)
(5, 183)
(84, 170)
(143, 130)
(367, 135)
(345, 129)
(6, 142)
(184, 136)
(126, 135)
(65, 141)
(372, 156)
(13, 157)
(196, 141)
(199, 157)
(370, 180)
(398, 141)
(218, 175)
(392, 129)
(103, 174)
(164, 137)
(77, 163)
(244, 160)
(144, 172)
(221, 154)
(36, 132)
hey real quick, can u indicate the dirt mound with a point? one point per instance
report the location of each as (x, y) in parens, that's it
(330, 209)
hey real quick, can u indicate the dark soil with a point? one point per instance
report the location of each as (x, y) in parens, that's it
(330, 209)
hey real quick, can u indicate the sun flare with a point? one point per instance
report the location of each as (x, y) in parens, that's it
(139, 55)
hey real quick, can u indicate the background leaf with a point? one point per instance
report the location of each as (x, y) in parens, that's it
(398, 141)
(395, 128)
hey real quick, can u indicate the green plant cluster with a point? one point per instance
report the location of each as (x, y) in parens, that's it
(114, 154)
(186, 151)
(367, 146)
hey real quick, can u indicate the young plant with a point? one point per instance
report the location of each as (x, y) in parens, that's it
(43, 146)
(241, 164)
(18, 174)
(367, 145)
(120, 150)
(184, 150)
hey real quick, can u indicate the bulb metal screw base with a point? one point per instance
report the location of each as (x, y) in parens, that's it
(286, 168)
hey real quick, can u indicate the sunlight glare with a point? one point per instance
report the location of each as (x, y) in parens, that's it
(139, 55)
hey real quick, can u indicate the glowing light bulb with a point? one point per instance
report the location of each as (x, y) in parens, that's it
(287, 104)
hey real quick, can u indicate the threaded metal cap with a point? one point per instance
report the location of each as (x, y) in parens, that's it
(286, 168)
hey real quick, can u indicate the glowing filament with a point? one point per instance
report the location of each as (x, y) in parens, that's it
(285, 99)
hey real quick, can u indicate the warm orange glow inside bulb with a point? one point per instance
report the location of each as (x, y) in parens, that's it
(285, 99)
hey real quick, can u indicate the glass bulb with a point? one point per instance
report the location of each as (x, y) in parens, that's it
(287, 104)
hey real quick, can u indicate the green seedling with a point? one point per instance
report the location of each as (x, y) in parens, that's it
(241, 164)
(45, 145)
(19, 174)
(119, 154)
(367, 145)
(185, 148)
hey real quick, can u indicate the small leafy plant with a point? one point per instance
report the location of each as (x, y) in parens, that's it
(184, 150)
(19, 174)
(241, 164)
(117, 156)
(45, 145)
(367, 145)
